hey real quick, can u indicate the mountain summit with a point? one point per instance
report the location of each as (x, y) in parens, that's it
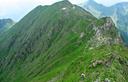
(62, 43)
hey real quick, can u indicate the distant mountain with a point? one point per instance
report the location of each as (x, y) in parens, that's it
(118, 12)
(5, 24)
(62, 43)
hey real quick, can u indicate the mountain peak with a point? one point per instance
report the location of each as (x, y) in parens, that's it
(64, 2)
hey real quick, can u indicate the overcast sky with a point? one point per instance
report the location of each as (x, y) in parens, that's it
(16, 9)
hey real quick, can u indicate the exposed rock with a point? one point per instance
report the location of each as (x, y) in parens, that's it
(104, 34)
(97, 62)
(82, 76)
(97, 80)
(64, 8)
(82, 35)
(107, 80)
(105, 62)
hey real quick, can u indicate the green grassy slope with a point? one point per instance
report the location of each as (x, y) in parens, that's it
(59, 42)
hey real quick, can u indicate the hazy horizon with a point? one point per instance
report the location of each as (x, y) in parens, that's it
(16, 9)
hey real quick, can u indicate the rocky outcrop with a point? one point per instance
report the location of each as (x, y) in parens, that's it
(105, 34)
(108, 61)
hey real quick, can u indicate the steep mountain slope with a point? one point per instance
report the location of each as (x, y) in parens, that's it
(5, 24)
(58, 44)
(118, 12)
(98, 10)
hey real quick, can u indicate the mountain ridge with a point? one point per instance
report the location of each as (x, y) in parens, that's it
(58, 44)
(117, 12)
(6, 24)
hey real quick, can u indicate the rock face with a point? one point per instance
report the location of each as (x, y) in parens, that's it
(56, 43)
(105, 34)
(105, 62)
(117, 12)
(107, 80)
